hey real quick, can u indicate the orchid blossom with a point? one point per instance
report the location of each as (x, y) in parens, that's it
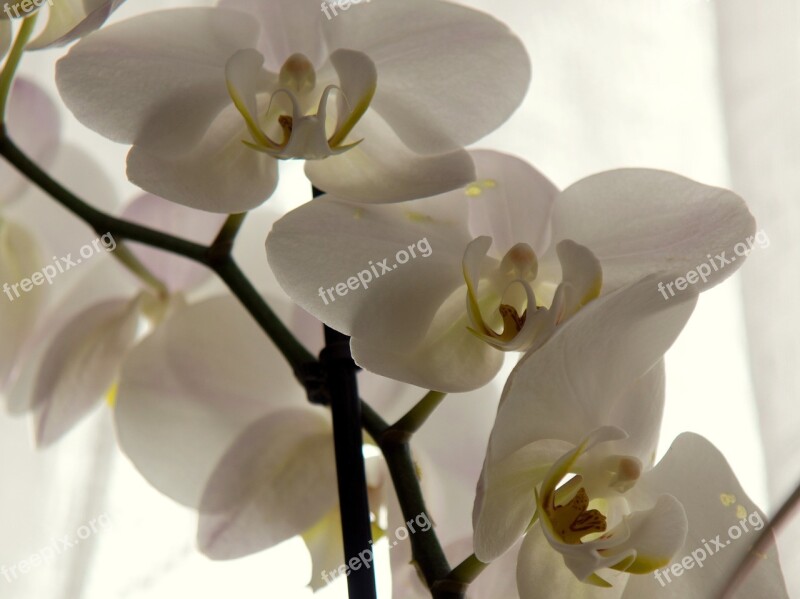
(79, 364)
(570, 466)
(509, 258)
(379, 104)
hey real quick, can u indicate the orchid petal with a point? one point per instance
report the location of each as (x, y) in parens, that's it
(287, 27)
(697, 474)
(20, 256)
(382, 169)
(581, 274)
(81, 365)
(33, 121)
(220, 174)
(70, 19)
(541, 574)
(173, 84)
(638, 221)
(506, 499)
(358, 80)
(252, 500)
(432, 113)
(581, 378)
(187, 391)
(510, 201)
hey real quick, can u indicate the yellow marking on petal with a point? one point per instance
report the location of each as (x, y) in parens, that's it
(358, 213)
(727, 499)
(741, 512)
(111, 395)
(476, 188)
(473, 190)
(644, 564)
(418, 217)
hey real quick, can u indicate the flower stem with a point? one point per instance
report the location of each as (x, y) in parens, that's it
(227, 234)
(416, 416)
(132, 263)
(14, 57)
(428, 554)
(351, 476)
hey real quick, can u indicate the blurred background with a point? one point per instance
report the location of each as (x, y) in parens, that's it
(708, 89)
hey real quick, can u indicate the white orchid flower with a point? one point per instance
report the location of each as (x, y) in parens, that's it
(423, 301)
(98, 325)
(380, 104)
(211, 416)
(570, 466)
(67, 20)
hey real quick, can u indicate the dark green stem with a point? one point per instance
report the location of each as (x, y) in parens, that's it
(428, 554)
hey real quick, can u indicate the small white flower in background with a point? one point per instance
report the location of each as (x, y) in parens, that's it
(67, 20)
(380, 103)
(211, 416)
(570, 465)
(439, 322)
(81, 360)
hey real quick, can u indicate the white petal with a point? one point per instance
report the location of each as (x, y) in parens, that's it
(718, 510)
(275, 481)
(190, 388)
(506, 499)
(324, 542)
(358, 80)
(287, 27)
(542, 574)
(638, 221)
(580, 379)
(305, 255)
(581, 275)
(447, 74)
(382, 169)
(419, 305)
(219, 174)
(170, 85)
(81, 365)
(20, 257)
(34, 124)
(510, 202)
(70, 19)
(178, 273)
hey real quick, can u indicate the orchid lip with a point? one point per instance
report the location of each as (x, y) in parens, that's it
(303, 134)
